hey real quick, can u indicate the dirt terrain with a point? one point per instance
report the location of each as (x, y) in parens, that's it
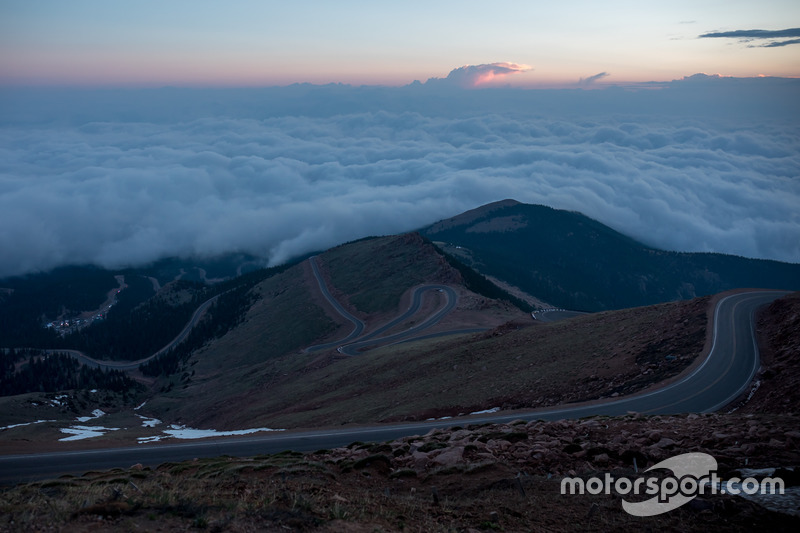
(476, 478)
(776, 385)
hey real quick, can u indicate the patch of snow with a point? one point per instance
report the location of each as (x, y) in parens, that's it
(137, 408)
(753, 390)
(85, 432)
(56, 402)
(441, 418)
(97, 413)
(182, 432)
(93, 391)
(25, 424)
(149, 422)
(486, 411)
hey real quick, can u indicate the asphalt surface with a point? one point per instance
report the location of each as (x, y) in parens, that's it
(370, 340)
(133, 365)
(723, 376)
(355, 343)
(358, 325)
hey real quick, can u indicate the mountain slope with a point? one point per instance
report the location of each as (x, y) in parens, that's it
(261, 366)
(570, 260)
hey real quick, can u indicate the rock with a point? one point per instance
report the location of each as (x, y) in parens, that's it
(450, 456)
(665, 443)
(461, 434)
(749, 448)
(420, 459)
(499, 445)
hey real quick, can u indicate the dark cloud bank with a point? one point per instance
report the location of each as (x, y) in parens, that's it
(777, 38)
(126, 177)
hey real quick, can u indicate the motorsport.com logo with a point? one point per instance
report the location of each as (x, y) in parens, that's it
(693, 474)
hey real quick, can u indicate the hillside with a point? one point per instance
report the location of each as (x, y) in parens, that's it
(569, 260)
(513, 366)
(260, 367)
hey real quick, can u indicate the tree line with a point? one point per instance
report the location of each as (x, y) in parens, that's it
(55, 372)
(227, 312)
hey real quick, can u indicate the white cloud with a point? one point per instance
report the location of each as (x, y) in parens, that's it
(277, 185)
(470, 76)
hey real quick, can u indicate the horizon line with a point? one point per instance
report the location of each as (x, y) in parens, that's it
(431, 83)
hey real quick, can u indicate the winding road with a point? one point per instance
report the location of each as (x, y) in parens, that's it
(723, 376)
(358, 324)
(355, 342)
(133, 365)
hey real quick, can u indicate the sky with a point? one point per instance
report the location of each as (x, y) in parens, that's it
(134, 131)
(261, 42)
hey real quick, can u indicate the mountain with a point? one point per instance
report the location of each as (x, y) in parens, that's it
(267, 348)
(261, 372)
(261, 368)
(570, 260)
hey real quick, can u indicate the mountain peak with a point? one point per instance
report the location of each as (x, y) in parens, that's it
(470, 216)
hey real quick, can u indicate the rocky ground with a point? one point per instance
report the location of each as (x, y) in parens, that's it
(776, 385)
(490, 477)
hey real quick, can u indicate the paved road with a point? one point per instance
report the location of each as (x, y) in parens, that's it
(414, 332)
(358, 325)
(355, 342)
(133, 365)
(722, 377)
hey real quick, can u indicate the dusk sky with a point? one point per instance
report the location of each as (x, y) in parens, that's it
(133, 131)
(258, 43)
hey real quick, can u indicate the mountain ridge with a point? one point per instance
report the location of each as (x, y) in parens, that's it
(571, 260)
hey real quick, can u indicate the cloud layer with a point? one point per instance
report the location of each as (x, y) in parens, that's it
(123, 192)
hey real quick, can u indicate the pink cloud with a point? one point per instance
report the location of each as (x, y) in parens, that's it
(470, 76)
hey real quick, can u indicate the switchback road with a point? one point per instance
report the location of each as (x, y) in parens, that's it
(355, 341)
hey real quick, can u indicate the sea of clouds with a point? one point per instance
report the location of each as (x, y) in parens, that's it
(125, 183)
